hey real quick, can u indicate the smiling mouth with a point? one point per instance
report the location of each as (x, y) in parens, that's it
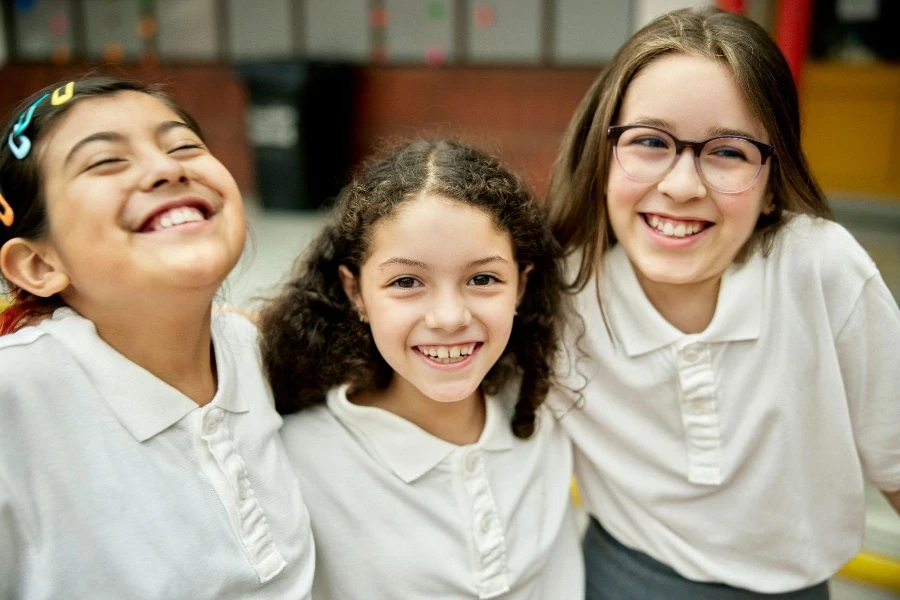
(675, 228)
(448, 355)
(175, 217)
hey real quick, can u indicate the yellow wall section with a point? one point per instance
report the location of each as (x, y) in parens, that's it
(851, 128)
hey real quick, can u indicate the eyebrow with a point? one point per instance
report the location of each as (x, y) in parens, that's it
(406, 262)
(715, 132)
(112, 136)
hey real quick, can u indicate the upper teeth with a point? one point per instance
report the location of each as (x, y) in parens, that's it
(674, 228)
(177, 216)
(447, 351)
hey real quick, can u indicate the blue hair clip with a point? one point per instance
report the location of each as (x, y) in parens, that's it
(22, 147)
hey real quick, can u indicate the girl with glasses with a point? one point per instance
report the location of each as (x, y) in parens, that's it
(742, 372)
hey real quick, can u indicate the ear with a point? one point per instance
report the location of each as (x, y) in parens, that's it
(523, 282)
(31, 266)
(768, 203)
(351, 288)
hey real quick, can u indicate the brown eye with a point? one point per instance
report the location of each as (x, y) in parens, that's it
(483, 280)
(405, 282)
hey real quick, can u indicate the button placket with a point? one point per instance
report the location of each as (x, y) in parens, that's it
(244, 510)
(699, 413)
(486, 527)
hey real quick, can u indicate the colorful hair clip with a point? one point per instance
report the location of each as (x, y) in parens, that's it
(67, 90)
(7, 216)
(21, 148)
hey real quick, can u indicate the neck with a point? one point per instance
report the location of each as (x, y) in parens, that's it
(689, 307)
(168, 337)
(459, 423)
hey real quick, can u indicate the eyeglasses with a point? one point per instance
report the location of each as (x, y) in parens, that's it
(729, 164)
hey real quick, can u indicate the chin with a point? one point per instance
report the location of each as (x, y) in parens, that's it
(450, 395)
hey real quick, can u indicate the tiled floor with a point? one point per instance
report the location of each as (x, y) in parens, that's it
(277, 239)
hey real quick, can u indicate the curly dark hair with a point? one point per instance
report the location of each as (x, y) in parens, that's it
(311, 336)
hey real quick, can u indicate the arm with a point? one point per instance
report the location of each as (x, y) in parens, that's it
(10, 546)
(870, 369)
(894, 499)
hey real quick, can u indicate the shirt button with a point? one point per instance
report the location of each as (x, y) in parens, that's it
(690, 354)
(697, 407)
(472, 463)
(486, 524)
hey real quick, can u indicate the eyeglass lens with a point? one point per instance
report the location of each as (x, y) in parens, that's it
(727, 164)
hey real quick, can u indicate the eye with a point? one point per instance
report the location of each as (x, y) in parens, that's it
(728, 152)
(104, 162)
(405, 283)
(483, 279)
(650, 141)
(186, 148)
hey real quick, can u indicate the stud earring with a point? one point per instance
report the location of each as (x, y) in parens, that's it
(363, 319)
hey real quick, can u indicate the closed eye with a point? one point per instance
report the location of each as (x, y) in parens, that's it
(183, 148)
(405, 283)
(104, 162)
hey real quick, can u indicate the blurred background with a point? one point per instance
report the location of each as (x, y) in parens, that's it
(293, 94)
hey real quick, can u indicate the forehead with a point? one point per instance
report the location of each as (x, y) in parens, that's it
(125, 112)
(696, 95)
(440, 229)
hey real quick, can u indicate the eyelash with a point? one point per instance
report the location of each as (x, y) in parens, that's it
(107, 161)
(396, 283)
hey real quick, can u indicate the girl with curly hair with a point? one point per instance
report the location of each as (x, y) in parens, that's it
(414, 343)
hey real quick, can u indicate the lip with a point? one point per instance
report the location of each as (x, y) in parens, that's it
(673, 242)
(192, 201)
(457, 366)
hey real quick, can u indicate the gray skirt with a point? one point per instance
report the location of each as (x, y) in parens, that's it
(616, 572)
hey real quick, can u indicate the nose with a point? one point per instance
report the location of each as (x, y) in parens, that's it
(683, 181)
(449, 312)
(162, 169)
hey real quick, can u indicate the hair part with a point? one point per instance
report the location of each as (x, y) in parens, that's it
(312, 338)
(21, 179)
(576, 202)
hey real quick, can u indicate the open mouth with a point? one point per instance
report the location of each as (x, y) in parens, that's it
(675, 228)
(175, 217)
(448, 355)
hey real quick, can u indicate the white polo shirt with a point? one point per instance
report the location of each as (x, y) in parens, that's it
(399, 513)
(737, 455)
(115, 485)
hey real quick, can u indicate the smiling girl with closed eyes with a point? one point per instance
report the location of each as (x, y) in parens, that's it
(140, 449)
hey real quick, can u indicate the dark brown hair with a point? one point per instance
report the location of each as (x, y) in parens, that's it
(577, 198)
(20, 179)
(312, 339)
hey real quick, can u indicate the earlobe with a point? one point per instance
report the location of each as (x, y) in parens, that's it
(24, 264)
(351, 288)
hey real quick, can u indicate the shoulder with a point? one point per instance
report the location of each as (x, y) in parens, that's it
(28, 353)
(809, 241)
(234, 325)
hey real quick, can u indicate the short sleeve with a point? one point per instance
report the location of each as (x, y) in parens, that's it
(869, 357)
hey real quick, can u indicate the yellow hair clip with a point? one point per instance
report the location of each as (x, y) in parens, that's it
(7, 216)
(67, 90)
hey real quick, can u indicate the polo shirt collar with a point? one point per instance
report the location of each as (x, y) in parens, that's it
(408, 450)
(641, 329)
(143, 403)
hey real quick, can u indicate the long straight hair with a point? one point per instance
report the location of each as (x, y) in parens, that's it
(576, 203)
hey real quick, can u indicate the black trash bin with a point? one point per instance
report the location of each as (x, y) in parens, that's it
(300, 123)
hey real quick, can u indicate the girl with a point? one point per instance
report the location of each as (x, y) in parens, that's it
(743, 373)
(140, 450)
(427, 472)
